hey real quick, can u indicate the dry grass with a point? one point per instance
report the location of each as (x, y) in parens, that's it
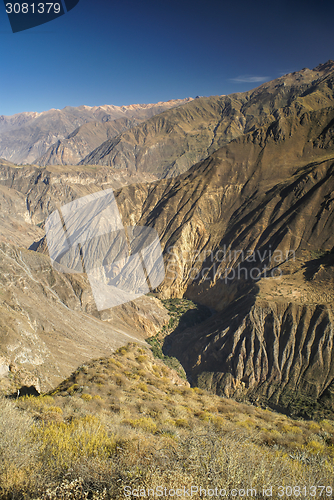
(144, 427)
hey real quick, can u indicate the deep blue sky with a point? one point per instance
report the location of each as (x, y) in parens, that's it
(136, 51)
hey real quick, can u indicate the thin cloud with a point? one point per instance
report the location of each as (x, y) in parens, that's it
(250, 79)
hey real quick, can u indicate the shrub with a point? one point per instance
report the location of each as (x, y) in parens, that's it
(72, 389)
(145, 423)
(115, 362)
(55, 409)
(143, 387)
(181, 422)
(314, 427)
(205, 416)
(62, 444)
(18, 449)
(315, 446)
(141, 358)
(86, 397)
(38, 403)
(122, 350)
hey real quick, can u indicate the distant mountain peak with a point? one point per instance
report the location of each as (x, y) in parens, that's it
(327, 66)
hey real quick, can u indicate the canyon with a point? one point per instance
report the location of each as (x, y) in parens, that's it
(240, 191)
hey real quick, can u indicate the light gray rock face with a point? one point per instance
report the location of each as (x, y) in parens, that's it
(4, 366)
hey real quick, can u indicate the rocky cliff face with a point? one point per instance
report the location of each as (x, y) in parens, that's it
(245, 197)
(273, 342)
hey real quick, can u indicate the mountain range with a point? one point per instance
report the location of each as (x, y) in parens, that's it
(27, 136)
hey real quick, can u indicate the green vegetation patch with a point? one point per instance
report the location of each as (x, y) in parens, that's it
(170, 361)
(183, 314)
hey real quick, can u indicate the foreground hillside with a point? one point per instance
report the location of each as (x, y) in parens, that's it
(126, 423)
